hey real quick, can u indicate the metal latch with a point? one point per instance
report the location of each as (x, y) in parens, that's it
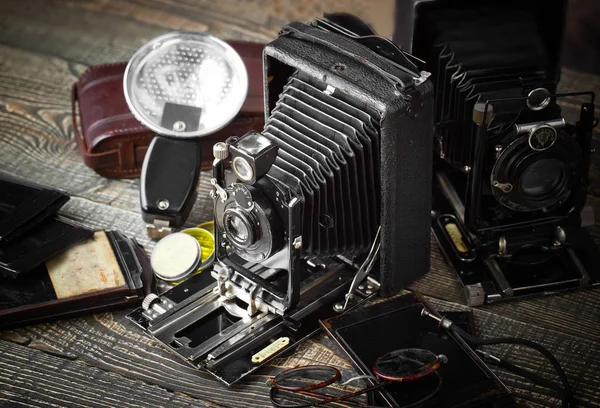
(159, 229)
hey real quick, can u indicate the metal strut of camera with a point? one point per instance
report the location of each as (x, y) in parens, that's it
(362, 272)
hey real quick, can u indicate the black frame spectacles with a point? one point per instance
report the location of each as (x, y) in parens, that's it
(400, 365)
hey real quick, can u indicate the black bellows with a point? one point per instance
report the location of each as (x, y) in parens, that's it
(476, 53)
(329, 153)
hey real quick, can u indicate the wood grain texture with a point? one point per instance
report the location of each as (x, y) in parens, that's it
(110, 343)
(102, 360)
(33, 378)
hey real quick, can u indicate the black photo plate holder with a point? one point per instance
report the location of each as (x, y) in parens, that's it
(40, 244)
(41, 294)
(368, 333)
(24, 205)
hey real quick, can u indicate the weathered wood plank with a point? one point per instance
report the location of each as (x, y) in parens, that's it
(109, 342)
(32, 378)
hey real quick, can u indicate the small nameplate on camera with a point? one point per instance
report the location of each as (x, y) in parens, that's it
(456, 237)
(271, 349)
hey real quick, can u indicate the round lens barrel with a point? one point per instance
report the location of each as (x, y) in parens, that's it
(542, 178)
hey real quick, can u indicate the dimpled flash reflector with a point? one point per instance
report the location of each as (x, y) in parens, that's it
(185, 84)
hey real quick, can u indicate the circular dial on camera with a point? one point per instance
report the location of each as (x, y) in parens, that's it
(542, 137)
(243, 196)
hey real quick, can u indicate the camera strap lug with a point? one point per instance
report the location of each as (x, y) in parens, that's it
(415, 99)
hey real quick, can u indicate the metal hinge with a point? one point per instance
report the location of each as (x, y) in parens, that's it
(424, 76)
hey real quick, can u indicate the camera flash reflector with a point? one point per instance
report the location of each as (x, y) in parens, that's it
(185, 84)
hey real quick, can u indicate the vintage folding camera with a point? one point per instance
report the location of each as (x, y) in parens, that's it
(341, 173)
(511, 168)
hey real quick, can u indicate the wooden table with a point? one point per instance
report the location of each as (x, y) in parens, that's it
(102, 360)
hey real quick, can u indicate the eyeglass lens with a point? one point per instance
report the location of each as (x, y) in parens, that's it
(306, 378)
(406, 364)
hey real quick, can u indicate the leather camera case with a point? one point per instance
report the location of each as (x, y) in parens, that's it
(112, 141)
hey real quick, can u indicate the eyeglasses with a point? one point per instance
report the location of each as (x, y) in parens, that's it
(396, 366)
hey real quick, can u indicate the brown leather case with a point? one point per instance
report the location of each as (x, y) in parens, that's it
(114, 143)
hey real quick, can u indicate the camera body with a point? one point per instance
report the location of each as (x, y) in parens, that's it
(510, 169)
(340, 176)
(343, 151)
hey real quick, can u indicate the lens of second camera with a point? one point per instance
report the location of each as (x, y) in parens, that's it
(543, 179)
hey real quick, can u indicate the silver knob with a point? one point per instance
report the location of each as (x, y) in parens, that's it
(502, 245)
(220, 151)
(148, 300)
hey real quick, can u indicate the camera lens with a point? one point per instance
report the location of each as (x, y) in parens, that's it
(239, 227)
(543, 178)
